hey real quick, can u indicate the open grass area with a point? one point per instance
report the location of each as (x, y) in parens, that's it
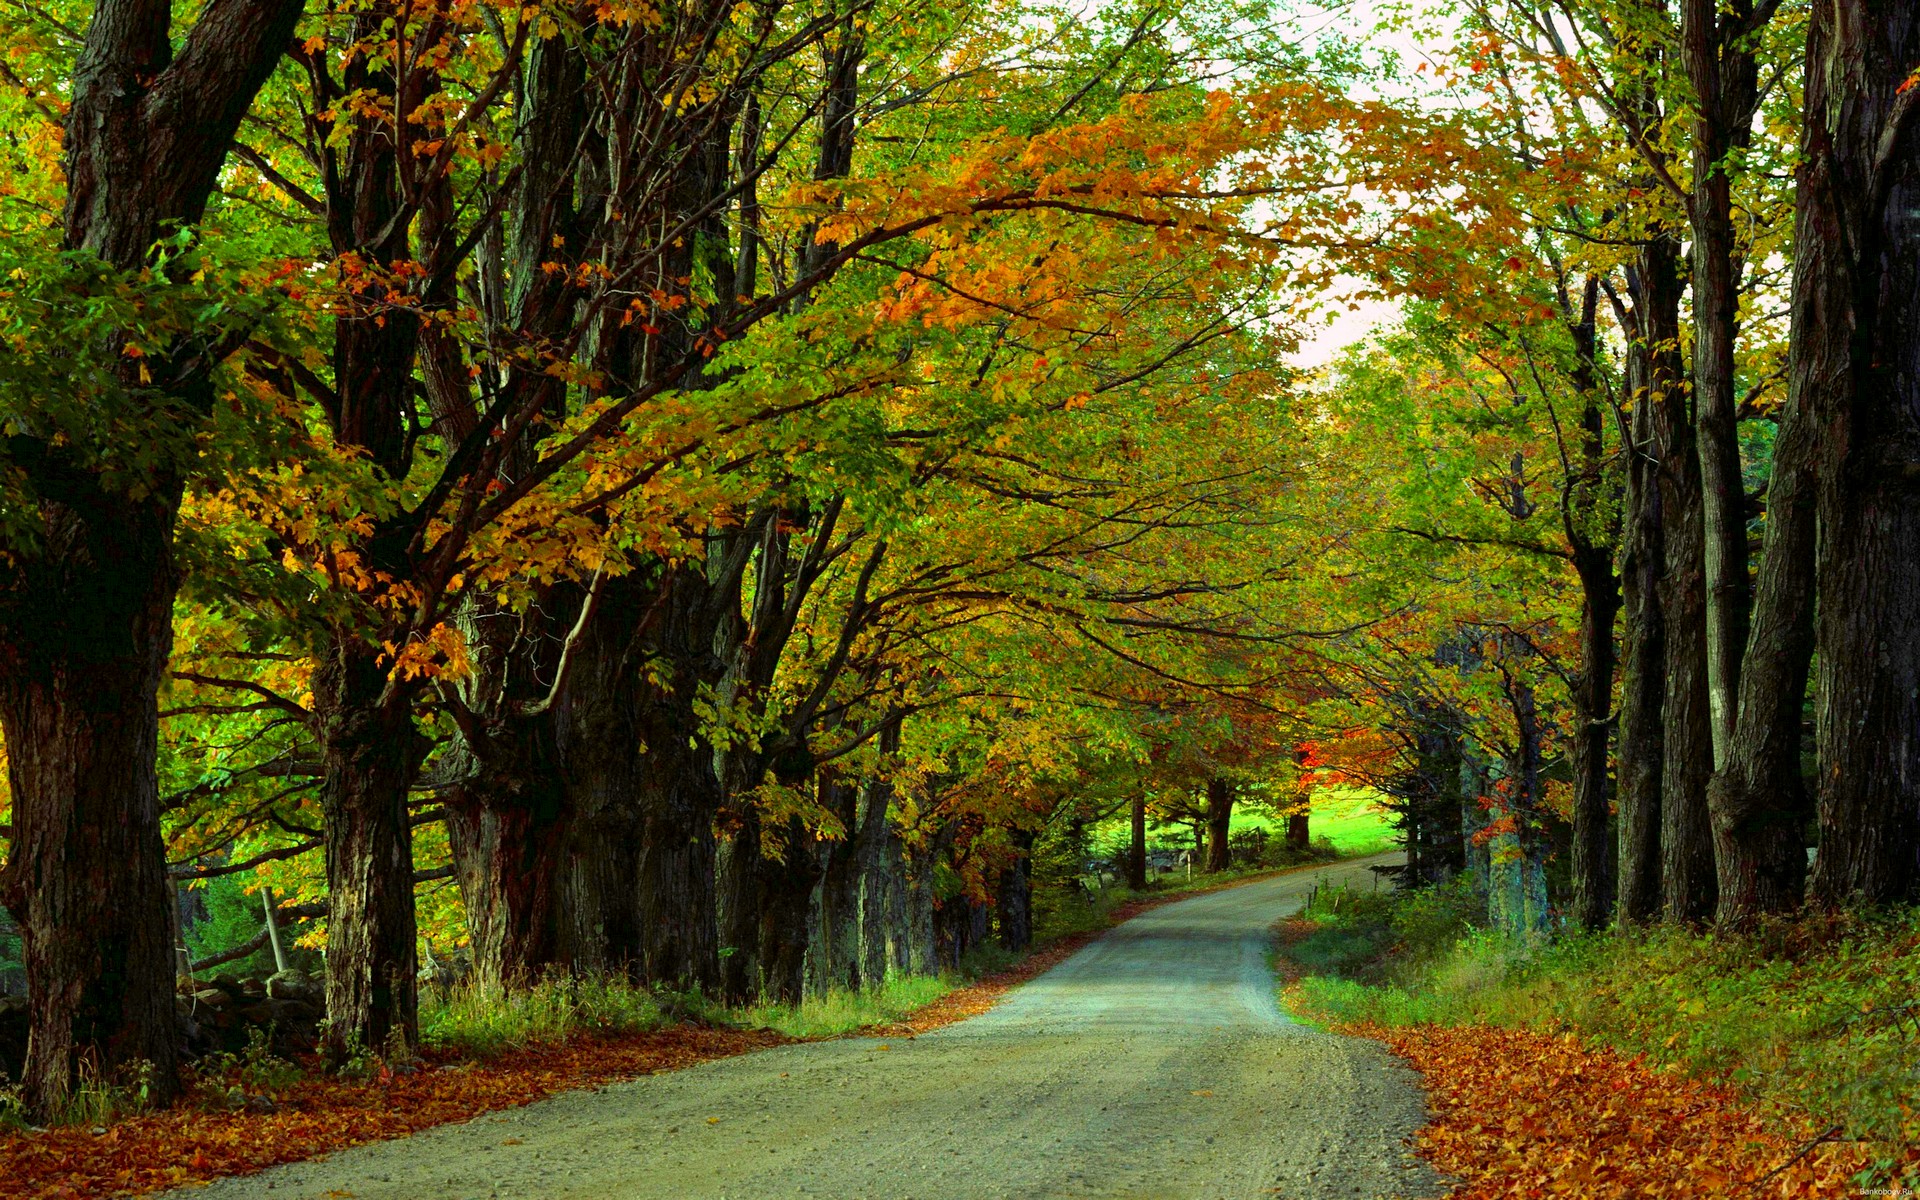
(1349, 817)
(1816, 1018)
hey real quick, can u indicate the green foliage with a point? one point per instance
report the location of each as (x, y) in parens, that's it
(234, 916)
(257, 1070)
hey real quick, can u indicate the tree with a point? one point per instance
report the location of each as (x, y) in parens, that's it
(85, 623)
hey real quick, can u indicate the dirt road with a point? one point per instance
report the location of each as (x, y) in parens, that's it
(1153, 1064)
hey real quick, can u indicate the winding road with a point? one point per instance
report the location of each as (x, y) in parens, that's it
(1153, 1064)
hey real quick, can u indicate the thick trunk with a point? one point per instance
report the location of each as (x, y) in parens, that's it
(1299, 822)
(1219, 824)
(1654, 370)
(1723, 71)
(507, 834)
(876, 881)
(1758, 799)
(836, 953)
(598, 745)
(371, 751)
(1590, 523)
(85, 611)
(1015, 898)
(786, 909)
(786, 898)
(1860, 248)
(740, 900)
(1430, 800)
(923, 957)
(86, 877)
(1593, 886)
(1686, 837)
(679, 796)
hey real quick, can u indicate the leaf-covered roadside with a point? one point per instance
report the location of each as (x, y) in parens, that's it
(190, 1144)
(1517, 1113)
(1670, 1062)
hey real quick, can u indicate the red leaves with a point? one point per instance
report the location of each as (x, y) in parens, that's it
(1524, 1114)
(186, 1145)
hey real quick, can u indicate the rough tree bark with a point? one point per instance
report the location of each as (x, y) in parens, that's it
(836, 953)
(1589, 520)
(371, 753)
(1758, 800)
(1014, 898)
(1654, 376)
(1717, 41)
(1137, 846)
(1686, 837)
(1859, 247)
(85, 619)
(1219, 824)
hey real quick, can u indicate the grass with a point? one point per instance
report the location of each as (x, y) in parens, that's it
(1347, 816)
(483, 1021)
(480, 1022)
(1819, 1016)
(840, 1012)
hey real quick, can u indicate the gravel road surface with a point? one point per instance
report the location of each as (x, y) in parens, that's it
(1152, 1064)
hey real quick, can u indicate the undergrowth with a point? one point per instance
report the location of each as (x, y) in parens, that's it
(842, 1011)
(1819, 1016)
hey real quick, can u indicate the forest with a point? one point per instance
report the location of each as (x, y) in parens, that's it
(737, 500)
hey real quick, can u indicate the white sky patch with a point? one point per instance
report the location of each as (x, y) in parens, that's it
(1347, 327)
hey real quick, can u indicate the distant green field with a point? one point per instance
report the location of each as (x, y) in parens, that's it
(1351, 817)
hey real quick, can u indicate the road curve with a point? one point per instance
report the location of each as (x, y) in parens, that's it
(1152, 1064)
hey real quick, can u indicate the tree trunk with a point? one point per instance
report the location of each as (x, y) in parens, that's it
(1137, 852)
(787, 885)
(1591, 531)
(1015, 899)
(740, 901)
(923, 956)
(837, 952)
(371, 751)
(875, 881)
(1686, 837)
(1299, 821)
(85, 614)
(1860, 249)
(86, 876)
(1655, 376)
(1219, 824)
(507, 832)
(1758, 799)
(1593, 885)
(679, 934)
(1721, 65)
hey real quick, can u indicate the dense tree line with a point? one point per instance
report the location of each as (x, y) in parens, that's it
(710, 493)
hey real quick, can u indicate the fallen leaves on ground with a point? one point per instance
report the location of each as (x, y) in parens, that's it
(1519, 1113)
(188, 1144)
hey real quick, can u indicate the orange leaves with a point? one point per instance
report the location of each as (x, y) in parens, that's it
(1524, 1114)
(189, 1146)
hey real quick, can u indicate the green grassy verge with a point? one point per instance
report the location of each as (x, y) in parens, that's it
(1817, 1015)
